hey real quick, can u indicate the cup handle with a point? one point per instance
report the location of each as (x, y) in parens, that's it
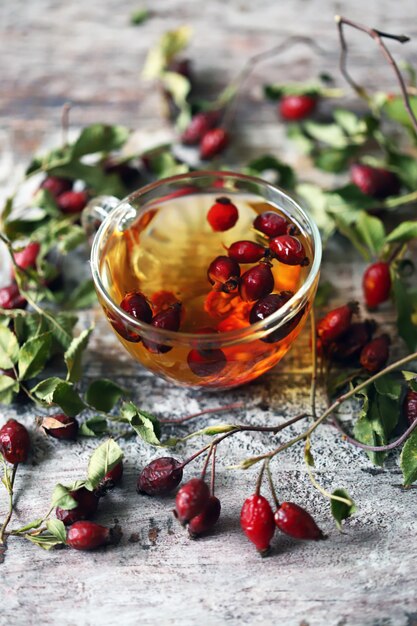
(95, 212)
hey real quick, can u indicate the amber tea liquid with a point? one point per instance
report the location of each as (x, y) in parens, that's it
(165, 254)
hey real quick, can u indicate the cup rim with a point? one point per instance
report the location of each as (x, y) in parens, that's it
(230, 337)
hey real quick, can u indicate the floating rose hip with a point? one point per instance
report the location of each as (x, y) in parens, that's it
(296, 107)
(375, 181)
(410, 406)
(199, 125)
(213, 142)
(336, 322)
(68, 430)
(257, 522)
(224, 273)
(223, 215)
(205, 521)
(375, 354)
(160, 477)
(90, 536)
(86, 507)
(289, 250)
(376, 284)
(14, 442)
(296, 522)
(168, 319)
(257, 282)
(246, 251)
(269, 305)
(10, 298)
(72, 201)
(191, 500)
(56, 186)
(137, 306)
(208, 362)
(271, 224)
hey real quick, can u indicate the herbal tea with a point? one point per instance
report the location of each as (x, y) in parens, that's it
(206, 264)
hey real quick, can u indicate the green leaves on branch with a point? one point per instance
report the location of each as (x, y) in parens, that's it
(103, 394)
(144, 424)
(405, 297)
(341, 510)
(163, 53)
(283, 174)
(103, 460)
(408, 460)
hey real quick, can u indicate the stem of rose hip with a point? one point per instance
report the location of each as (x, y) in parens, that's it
(314, 482)
(10, 511)
(392, 203)
(203, 473)
(271, 485)
(213, 470)
(377, 36)
(260, 478)
(389, 446)
(219, 409)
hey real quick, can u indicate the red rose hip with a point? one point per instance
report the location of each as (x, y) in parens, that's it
(167, 319)
(257, 522)
(375, 354)
(376, 284)
(223, 215)
(336, 322)
(257, 282)
(72, 201)
(68, 430)
(213, 142)
(191, 500)
(14, 442)
(296, 522)
(296, 107)
(160, 476)
(376, 182)
(137, 306)
(205, 363)
(56, 186)
(26, 258)
(224, 273)
(271, 224)
(410, 406)
(204, 522)
(86, 507)
(10, 298)
(90, 536)
(199, 125)
(289, 250)
(246, 251)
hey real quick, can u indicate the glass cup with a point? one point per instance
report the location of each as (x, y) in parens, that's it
(243, 353)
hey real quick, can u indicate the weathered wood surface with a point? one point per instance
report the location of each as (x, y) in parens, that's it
(86, 52)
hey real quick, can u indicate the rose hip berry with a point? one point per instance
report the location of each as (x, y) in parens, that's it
(168, 319)
(72, 201)
(86, 507)
(56, 186)
(376, 284)
(208, 362)
(257, 522)
(336, 322)
(191, 500)
(206, 520)
(271, 224)
(246, 251)
(296, 522)
(109, 480)
(199, 125)
(257, 282)
(68, 431)
(410, 406)
(289, 250)
(223, 215)
(89, 536)
(375, 354)
(375, 181)
(269, 305)
(14, 442)
(224, 273)
(295, 107)
(27, 257)
(160, 477)
(10, 298)
(213, 142)
(137, 306)
(350, 344)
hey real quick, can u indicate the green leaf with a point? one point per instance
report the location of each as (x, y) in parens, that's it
(103, 394)
(70, 240)
(139, 16)
(372, 232)
(33, 355)
(334, 160)
(330, 134)
(29, 526)
(217, 430)
(405, 166)
(285, 176)
(83, 296)
(74, 354)
(394, 108)
(408, 459)
(276, 91)
(57, 391)
(57, 529)
(103, 459)
(94, 427)
(94, 177)
(46, 201)
(144, 424)
(9, 348)
(9, 387)
(316, 200)
(164, 164)
(99, 138)
(169, 45)
(403, 233)
(348, 200)
(389, 385)
(348, 121)
(46, 541)
(341, 510)
(406, 305)
(61, 497)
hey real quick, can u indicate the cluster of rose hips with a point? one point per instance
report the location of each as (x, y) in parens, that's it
(67, 199)
(342, 341)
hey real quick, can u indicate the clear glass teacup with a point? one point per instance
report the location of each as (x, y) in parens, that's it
(159, 243)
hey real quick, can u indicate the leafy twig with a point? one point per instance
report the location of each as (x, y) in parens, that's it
(10, 511)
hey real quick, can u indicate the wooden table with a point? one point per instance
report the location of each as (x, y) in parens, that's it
(87, 52)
